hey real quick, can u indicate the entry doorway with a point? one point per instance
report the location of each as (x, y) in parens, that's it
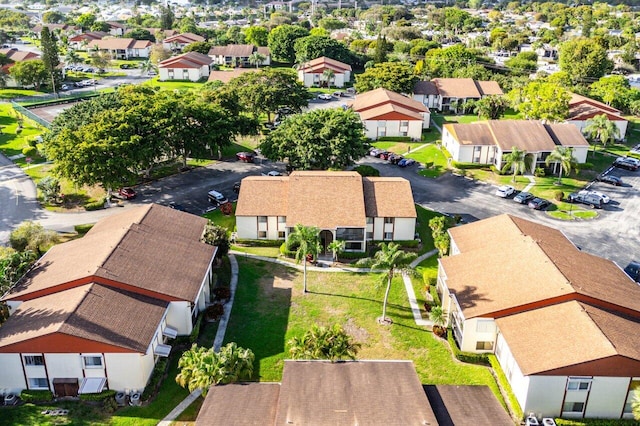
(326, 238)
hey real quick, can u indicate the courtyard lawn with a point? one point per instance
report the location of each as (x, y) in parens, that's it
(270, 309)
(433, 158)
(173, 85)
(12, 142)
(397, 147)
(220, 219)
(18, 93)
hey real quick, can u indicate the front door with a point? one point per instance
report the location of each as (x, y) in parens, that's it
(326, 238)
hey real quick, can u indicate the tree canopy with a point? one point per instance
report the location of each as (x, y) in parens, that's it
(318, 140)
(312, 47)
(584, 59)
(332, 343)
(395, 76)
(27, 73)
(541, 101)
(256, 35)
(281, 42)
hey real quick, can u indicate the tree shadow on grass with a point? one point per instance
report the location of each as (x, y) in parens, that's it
(390, 305)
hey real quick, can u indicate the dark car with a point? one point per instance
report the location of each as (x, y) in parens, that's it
(523, 197)
(394, 158)
(406, 162)
(633, 270)
(126, 66)
(539, 204)
(610, 179)
(384, 155)
(126, 193)
(177, 206)
(247, 157)
(627, 163)
(236, 187)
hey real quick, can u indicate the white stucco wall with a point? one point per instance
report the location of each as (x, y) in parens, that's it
(414, 128)
(64, 365)
(11, 377)
(179, 317)
(247, 227)
(128, 371)
(404, 228)
(478, 330)
(620, 124)
(607, 397)
(540, 394)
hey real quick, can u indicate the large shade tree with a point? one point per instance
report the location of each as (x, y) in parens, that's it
(312, 47)
(281, 41)
(395, 76)
(541, 101)
(584, 58)
(563, 156)
(332, 343)
(306, 239)
(319, 139)
(601, 129)
(392, 261)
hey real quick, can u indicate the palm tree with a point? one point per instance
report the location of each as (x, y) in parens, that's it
(438, 317)
(328, 76)
(336, 247)
(516, 160)
(308, 242)
(564, 156)
(146, 67)
(392, 260)
(331, 343)
(71, 57)
(257, 59)
(601, 129)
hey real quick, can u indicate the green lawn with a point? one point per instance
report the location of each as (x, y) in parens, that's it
(433, 158)
(397, 147)
(180, 85)
(267, 312)
(11, 142)
(18, 93)
(220, 219)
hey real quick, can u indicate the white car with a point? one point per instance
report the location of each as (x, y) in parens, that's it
(325, 96)
(272, 173)
(605, 197)
(505, 190)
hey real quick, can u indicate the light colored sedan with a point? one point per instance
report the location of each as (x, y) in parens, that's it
(505, 190)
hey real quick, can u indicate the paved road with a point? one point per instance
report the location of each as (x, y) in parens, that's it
(17, 197)
(615, 234)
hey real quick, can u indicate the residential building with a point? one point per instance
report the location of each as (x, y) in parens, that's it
(564, 324)
(116, 29)
(343, 205)
(583, 109)
(387, 113)
(312, 73)
(192, 66)
(226, 75)
(177, 42)
(80, 41)
(448, 94)
(14, 56)
(237, 55)
(486, 142)
(322, 393)
(58, 28)
(123, 48)
(96, 312)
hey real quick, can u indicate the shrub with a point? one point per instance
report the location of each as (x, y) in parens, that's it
(366, 170)
(29, 395)
(584, 166)
(222, 293)
(401, 243)
(196, 330)
(471, 358)
(429, 278)
(214, 312)
(29, 151)
(504, 384)
(84, 228)
(394, 139)
(539, 172)
(95, 206)
(558, 195)
(156, 377)
(465, 166)
(105, 394)
(353, 255)
(495, 170)
(259, 243)
(109, 405)
(285, 252)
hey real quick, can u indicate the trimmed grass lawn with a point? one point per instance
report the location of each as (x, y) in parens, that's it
(180, 85)
(220, 219)
(397, 147)
(422, 226)
(258, 251)
(18, 93)
(268, 312)
(12, 143)
(188, 416)
(433, 158)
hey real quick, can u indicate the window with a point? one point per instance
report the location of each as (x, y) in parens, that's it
(92, 361)
(382, 132)
(388, 220)
(350, 234)
(484, 346)
(262, 234)
(262, 219)
(476, 154)
(38, 383)
(33, 360)
(281, 235)
(282, 219)
(404, 124)
(353, 246)
(382, 123)
(404, 133)
(388, 235)
(573, 407)
(369, 235)
(628, 409)
(185, 74)
(578, 384)
(485, 326)
(369, 220)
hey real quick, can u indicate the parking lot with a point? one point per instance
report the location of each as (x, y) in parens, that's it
(614, 234)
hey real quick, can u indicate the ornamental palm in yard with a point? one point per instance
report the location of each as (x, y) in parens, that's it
(331, 343)
(516, 160)
(393, 261)
(308, 241)
(564, 156)
(601, 129)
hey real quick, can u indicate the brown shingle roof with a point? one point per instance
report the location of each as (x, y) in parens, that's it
(358, 392)
(457, 87)
(324, 62)
(112, 43)
(234, 50)
(186, 60)
(377, 97)
(337, 199)
(91, 312)
(382, 110)
(466, 406)
(527, 135)
(425, 88)
(258, 402)
(581, 100)
(227, 75)
(517, 245)
(151, 247)
(184, 38)
(263, 196)
(470, 135)
(580, 334)
(388, 197)
(566, 134)
(487, 88)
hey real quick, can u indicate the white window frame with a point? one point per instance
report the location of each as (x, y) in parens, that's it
(262, 235)
(90, 366)
(262, 219)
(31, 386)
(27, 358)
(574, 384)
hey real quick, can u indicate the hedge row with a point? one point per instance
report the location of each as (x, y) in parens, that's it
(394, 139)
(471, 358)
(156, 377)
(504, 384)
(98, 205)
(401, 243)
(29, 395)
(105, 394)
(83, 229)
(464, 166)
(259, 243)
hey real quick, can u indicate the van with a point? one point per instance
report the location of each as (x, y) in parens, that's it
(588, 198)
(216, 198)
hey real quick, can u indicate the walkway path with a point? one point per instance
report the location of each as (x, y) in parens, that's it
(532, 182)
(222, 327)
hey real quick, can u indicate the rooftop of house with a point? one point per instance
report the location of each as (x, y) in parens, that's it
(228, 75)
(378, 97)
(186, 60)
(119, 44)
(236, 50)
(324, 62)
(184, 38)
(460, 88)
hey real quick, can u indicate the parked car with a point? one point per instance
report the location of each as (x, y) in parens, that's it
(605, 197)
(633, 270)
(88, 69)
(406, 162)
(177, 206)
(592, 200)
(635, 149)
(627, 163)
(610, 179)
(338, 94)
(384, 155)
(127, 66)
(325, 97)
(395, 158)
(374, 152)
(272, 173)
(523, 197)
(65, 87)
(247, 157)
(216, 197)
(126, 193)
(539, 204)
(505, 191)
(236, 187)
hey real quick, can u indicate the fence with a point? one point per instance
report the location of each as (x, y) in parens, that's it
(22, 110)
